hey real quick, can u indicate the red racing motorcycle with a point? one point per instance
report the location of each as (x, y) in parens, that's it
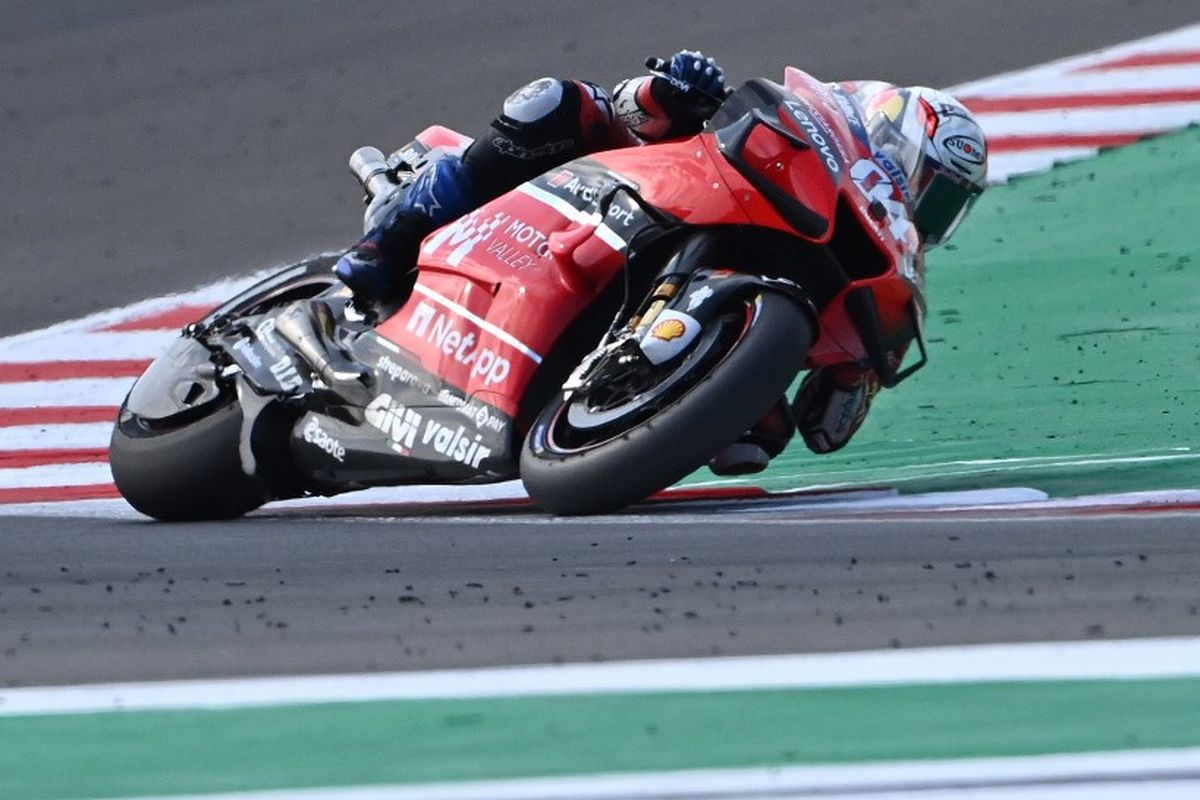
(599, 331)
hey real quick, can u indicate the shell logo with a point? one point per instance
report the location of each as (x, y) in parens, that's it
(669, 329)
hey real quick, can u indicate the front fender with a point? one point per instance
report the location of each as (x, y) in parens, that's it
(707, 291)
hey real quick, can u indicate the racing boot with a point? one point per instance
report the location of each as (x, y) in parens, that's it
(831, 404)
(755, 448)
(380, 268)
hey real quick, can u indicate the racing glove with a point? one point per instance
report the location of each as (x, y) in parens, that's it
(675, 100)
(831, 404)
(691, 70)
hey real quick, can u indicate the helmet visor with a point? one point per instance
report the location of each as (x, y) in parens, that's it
(941, 203)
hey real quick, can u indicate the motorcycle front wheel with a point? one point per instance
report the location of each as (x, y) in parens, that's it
(625, 439)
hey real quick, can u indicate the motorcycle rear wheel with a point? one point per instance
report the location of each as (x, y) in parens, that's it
(753, 354)
(187, 472)
(189, 467)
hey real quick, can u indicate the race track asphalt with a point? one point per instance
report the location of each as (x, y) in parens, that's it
(105, 601)
(152, 147)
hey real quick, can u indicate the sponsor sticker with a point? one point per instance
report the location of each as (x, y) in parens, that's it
(823, 141)
(455, 443)
(473, 410)
(398, 373)
(512, 241)
(668, 330)
(518, 244)
(464, 234)
(850, 111)
(669, 336)
(966, 148)
(285, 372)
(578, 187)
(246, 347)
(878, 189)
(591, 189)
(319, 438)
(265, 331)
(697, 297)
(400, 423)
(527, 235)
(443, 331)
(514, 257)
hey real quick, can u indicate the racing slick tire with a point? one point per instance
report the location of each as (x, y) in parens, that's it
(743, 361)
(188, 472)
(189, 467)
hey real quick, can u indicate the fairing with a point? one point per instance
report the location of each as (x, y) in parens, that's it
(499, 286)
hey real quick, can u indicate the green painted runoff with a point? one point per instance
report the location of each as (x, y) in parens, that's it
(127, 754)
(1064, 342)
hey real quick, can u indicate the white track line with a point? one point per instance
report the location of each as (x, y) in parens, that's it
(1045, 75)
(56, 475)
(65, 393)
(1052, 82)
(43, 437)
(1097, 121)
(1124, 660)
(99, 345)
(1145, 775)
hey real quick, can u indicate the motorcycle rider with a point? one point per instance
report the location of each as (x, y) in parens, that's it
(928, 143)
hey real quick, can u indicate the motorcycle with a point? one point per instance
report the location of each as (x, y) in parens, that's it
(600, 331)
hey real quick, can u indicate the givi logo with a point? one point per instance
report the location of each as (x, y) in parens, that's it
(394, 419)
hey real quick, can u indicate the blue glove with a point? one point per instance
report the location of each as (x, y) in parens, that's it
(689, 70)
(696, 70)
(689, 87)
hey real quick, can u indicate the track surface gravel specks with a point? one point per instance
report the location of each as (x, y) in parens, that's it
(97, 601)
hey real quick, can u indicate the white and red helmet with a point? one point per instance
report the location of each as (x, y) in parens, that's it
(934, 145)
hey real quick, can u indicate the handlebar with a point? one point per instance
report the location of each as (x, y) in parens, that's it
(369, 165)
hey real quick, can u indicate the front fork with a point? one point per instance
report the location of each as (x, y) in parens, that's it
(685, 297)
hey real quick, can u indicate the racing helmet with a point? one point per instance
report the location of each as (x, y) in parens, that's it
(933, 145)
